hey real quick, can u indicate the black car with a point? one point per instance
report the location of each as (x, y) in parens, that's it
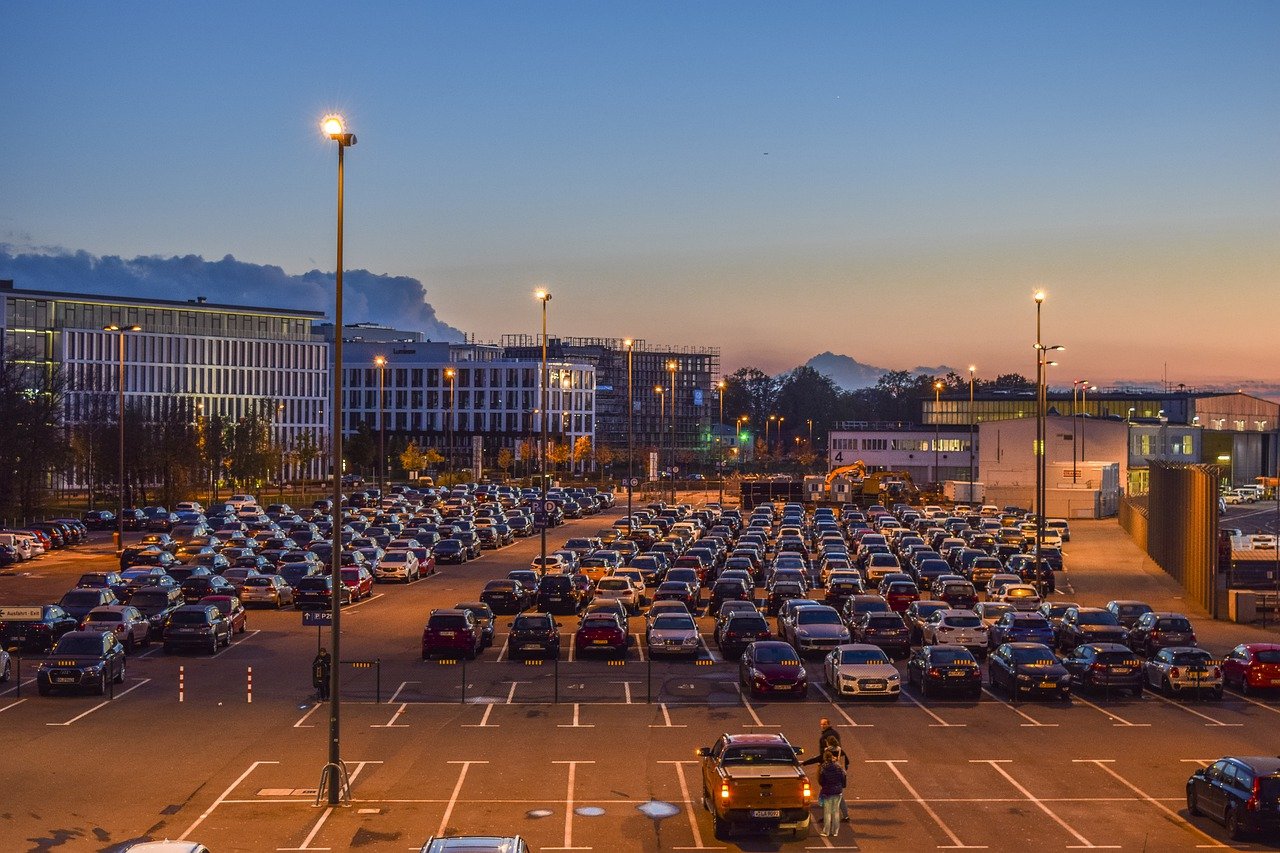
(134, 519)
(889, 631)
(558, 594)
(840, 587)
(1082, 625)
(727, 589)
(741, 630)
(156, 603)
(197, 625)
(104, 580)
(146, 555)
(99, 519)
(505, 596)
(1105, 666)
(945, 669)
(449, 551)
(197, 587)
(780, 593)
(294, 573)
(1028, 668)
(534, 634)
(315, 592)
(469, 541)
(36, 628)
(82, 660)
(1240, 792)
(78, 602)
(483, 616)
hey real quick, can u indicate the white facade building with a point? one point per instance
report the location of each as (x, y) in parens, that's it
(903, 447)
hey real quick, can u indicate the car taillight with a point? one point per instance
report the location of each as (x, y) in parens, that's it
(808, 791)
(724, 790)
(1175, 673)
(1252, 803)
(1098, 667)
(935, 672)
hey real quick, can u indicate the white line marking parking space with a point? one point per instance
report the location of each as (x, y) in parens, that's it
(848, 721)
(1116, 719)
(1212, 721)
(568, 807)
(955, 844)
(757, 724)
(1031, 721)
(101, 704)
(453, 798)
(1101, 764)
(688, 807)
(995, 765)
(941, 723)
(303, 719)
(223, 796)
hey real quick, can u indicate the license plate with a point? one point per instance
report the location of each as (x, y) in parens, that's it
(1121, 670)
(766, 813)
(1048, 685)
(448, 633)
(1275, 682)
(530, 647)
(63, 679)
(782, 687)
(958, 673)
(599, 642)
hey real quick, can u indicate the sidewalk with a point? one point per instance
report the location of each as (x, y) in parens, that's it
(1104, 564)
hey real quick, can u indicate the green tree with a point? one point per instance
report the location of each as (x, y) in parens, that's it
(306, 449)
(361, 449)
(412, 459)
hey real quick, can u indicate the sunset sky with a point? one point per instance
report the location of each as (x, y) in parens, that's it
(885, 180)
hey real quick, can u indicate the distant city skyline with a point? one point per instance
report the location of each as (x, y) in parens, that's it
(889, 183)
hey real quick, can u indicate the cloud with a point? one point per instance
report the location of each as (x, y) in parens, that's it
(396, 301)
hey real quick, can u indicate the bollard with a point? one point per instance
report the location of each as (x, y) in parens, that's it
(182, 675)
(249, 685)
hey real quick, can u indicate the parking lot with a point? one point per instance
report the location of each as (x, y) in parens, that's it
(574, 754)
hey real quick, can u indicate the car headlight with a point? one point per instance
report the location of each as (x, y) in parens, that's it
(691, 641)
(802, 673)
(895, 677)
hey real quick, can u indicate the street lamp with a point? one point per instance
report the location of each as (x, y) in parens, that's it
(720, 456)
(937, 416)
(768, 421)
(631, 453)
(781, 418)
(334, 778)
(672, 367)
(544, 297)
(381, 362)
(737, 437)
(1084, 413)
(120, 331)
(1077, 385)
(450, 376)
(662, 429)
(1042, 497)
(972, 418)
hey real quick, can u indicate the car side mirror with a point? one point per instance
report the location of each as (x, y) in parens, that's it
(702, 751)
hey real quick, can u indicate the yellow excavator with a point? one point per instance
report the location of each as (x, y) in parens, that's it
(856, 471)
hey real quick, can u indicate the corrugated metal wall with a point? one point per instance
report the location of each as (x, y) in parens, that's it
(1181, 526)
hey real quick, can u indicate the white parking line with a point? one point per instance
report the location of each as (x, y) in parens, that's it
(626, 686)
(1212, 720)
(1263, 705)
(1117, 720)
(484, 720)
(713, 654)
(666, 716)
(453, 798)
(392, 724)
(101, 704)
(996, 766)
(14, 688)
(568, 808)
(1031, 721)
(941, 723)
(688, 807)
(237, 643)
(369, 600)
(1102, 763)
(506, 642)
(511, 694)
(955, 844)
(848, 721)
(575, 724)
(12, 705)
(396, 695)
(314, 708)
(752, 711)
(315, 830)
(221, 797)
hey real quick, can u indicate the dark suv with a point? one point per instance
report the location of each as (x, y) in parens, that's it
(534, 634)
(1240, 792)
(199, 625)
(156, 603)
(451, 631)
(82, 660)
(557, 594)
(315, 592)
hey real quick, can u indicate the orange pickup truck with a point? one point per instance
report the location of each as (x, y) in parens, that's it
(754, 783)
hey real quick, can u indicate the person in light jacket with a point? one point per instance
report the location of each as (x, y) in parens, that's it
(831, 781)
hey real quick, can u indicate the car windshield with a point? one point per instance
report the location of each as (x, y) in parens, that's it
(817, 616)
(143, 600)
(1097, 618)
(90, 646)
(1268, 656)
(615, 583)
(1117, 658)
(599, 622)
(863, 656)
(950, 656)
(532, 623)
(776, 654)
(758, 755)
(1020, 592)
(394, 557)
(449, 622)
(1031, 622)
(958, 589)
(81, 598)
(1173, 624)
(258, 581)
(1190, 657)
(1033, 657)
(674, 623)
(963, 621)
(189, 617)
(748, 623)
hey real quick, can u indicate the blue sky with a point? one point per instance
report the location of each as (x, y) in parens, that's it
(890, 181)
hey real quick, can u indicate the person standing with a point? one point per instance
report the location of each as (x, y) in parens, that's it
(831, 781)
(321, 669)
(827, 733)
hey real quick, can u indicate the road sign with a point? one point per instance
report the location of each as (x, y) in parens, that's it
(635, 481)
(317, 618)
(675, 469)
(549, 506)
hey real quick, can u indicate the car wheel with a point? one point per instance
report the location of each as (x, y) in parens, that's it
(129, 645)
(718, 827)
(1166, 686)
(42, 689)
(1193, 803)
(1244, 685)
(213, 645)
(146, 639)
(244, 626)
(1235, 828)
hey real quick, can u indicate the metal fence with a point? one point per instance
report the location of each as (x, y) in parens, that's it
(1178, 527)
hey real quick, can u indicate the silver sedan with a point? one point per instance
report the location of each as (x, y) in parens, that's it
(673, 634)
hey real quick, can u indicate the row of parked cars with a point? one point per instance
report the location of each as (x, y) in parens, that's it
(18, 545)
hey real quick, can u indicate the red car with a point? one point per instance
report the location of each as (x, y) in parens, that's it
(601, 632)
(771, 666)
(451, 632)
(900, 595)
(1252, 666)
(359, 580)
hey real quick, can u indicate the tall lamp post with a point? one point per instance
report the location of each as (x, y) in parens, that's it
(450, 376)
(631, 451)
(737, 437)
(720, 460)
(937, 416)
(120, 332)
(1041, 418)
(544, 297)
(972, 418)
(767, 446)
(381, 363)
(1084, 415)
(672, 367)
(1077, 386)
(334, 779)
(662, 432)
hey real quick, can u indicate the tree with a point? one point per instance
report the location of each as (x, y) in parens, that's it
(604, 457)
(431, 458)
(529, 453)
(505, 460)
(412, 459)
(362, 448)
(306, 449)
(750, 391)
(582, 452)
(557, 454)
(32, 443)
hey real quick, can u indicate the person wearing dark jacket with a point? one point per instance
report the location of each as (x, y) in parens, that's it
(831, 781)
(321, 670)
(829, 733)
